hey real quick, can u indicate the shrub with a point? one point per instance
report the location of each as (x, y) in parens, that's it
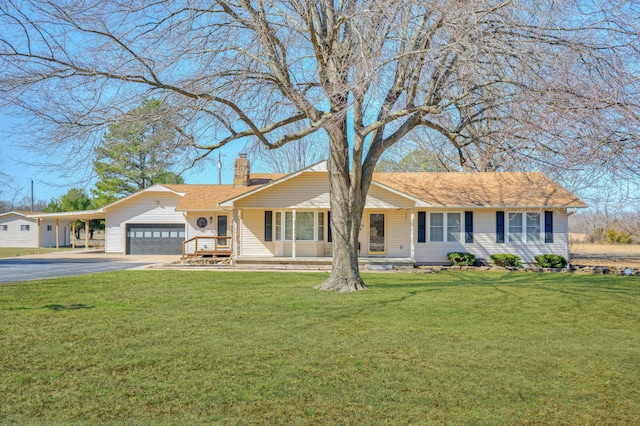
(462, 258)
(620, 237)
(551, 261)
(506, 260)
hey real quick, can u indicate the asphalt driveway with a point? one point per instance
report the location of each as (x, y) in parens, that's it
(66, 264)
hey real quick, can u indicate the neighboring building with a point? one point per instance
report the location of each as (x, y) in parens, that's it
(20, 229)
(418, 217)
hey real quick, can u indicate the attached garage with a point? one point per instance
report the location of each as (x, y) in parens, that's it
(154, 238)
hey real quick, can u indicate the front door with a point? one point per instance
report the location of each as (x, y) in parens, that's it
(376, 233)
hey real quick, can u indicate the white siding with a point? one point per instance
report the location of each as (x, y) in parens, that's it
(252, 241)
(310, 190)
(397, 233)
(484, 235)
(146, 207)
(13, 236)
(48, 238)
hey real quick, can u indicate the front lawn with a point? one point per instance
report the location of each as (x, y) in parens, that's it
(175, 347)
(23, 251)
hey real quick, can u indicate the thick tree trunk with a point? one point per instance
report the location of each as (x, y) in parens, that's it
(347, 204)
(345, 274)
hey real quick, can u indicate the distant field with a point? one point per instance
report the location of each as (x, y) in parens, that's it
(605, 254)
(251, 348)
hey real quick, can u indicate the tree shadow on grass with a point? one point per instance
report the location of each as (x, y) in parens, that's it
(55, 307)
(73, 306)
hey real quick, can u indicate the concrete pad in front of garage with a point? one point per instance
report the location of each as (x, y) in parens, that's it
(71, 263)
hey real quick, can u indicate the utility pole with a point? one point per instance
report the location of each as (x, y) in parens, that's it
(31, 195)
(219, 169)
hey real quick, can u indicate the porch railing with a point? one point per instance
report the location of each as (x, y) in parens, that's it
(215, 246)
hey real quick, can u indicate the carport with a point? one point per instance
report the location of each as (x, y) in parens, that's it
(81, 215)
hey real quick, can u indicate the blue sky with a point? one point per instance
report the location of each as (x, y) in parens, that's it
(48, 183)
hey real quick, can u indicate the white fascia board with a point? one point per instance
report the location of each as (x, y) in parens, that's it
(78, 214)
(504, 207)
(317, 167)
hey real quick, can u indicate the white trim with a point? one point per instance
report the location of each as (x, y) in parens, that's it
(293, 233)
(282, 224)
(413, 243)
(445, 227)
(525, 238)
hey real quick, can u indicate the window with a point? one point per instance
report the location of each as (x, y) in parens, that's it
(533, 226)
(278, 226)
(524, 227)
(320, 226)
(454, 227)
(441, 222)
(515, 227)
(24, 227)
(49, 227)
(304, 226)
(436, 227)
(5, 227)
(288, 226)
(309, 226)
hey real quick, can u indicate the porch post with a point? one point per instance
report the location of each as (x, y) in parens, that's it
(73, 235)
(57, 234)
(86, 234)
(39, 243)
(293, 237)
(240, 225)
(234, 233)
(413, 246)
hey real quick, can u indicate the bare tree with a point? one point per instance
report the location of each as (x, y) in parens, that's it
(364, 74)
(289, 158)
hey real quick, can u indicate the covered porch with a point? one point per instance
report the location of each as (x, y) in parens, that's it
(83, 216)
(314, 262)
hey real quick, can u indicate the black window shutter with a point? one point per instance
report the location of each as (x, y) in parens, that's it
(422, 227)
(329, 235)
(548, 226)
(468, 227)
(499, 227)
(268, 225)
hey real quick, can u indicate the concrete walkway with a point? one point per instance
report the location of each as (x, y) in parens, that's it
(70, 263)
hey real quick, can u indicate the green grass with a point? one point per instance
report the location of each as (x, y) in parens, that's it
(175, 347)
(22, 251)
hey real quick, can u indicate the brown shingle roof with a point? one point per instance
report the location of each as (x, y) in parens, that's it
(507, 189)
(207, 197)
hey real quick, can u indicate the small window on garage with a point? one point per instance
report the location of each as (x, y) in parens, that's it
(5, 227)
(24, 227)
(49, 227)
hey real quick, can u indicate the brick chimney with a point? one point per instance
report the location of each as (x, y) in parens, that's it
(241, 170)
